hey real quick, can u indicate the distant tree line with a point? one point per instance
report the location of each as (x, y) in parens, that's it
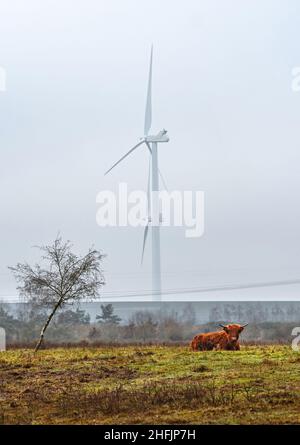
(74, 325)
(255, 312)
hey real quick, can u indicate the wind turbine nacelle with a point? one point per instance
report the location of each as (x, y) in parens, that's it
(160, 137)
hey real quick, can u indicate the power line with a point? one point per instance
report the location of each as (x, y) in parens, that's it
(210, 289)
(176, 291)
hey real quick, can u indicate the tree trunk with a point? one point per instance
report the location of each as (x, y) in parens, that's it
(39, 344)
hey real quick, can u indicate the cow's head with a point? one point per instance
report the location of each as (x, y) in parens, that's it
(233, 331)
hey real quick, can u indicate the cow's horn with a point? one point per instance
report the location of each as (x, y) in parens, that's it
(244, 325)
(222, 326)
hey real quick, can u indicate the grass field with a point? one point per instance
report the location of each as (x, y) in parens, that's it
(150, 384)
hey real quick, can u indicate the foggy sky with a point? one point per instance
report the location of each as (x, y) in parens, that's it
(76, 89)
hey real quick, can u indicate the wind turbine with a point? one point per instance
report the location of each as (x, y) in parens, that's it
(154, 217)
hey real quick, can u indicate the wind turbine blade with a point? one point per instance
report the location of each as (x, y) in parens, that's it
(148, 145)
(162, 179)
(144, 241)
(148, 112)
(123, 157)
(159, 172)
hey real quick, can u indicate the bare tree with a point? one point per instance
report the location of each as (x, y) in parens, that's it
(63, 278)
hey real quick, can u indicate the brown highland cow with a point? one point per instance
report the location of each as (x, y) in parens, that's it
(227, 339)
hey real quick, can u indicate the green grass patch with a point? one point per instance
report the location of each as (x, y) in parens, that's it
(151, 384)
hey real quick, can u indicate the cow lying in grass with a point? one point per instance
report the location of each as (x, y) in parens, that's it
(227, 339)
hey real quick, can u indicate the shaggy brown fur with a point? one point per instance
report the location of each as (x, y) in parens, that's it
(222, 340)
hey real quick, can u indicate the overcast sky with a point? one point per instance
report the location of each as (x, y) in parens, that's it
(76, 87)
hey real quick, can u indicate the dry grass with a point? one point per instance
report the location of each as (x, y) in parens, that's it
(150, 384)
